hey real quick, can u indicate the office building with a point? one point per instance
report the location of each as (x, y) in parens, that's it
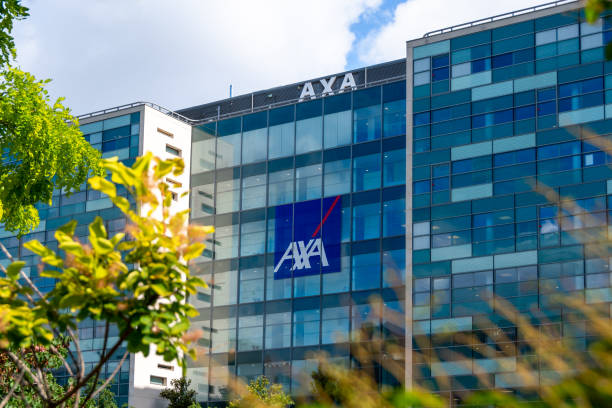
(422, 187)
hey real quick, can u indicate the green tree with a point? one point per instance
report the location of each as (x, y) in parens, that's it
(261, 393)
(180, 395)
(138, 285)
(43, 148)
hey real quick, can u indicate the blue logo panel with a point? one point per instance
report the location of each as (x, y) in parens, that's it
(314, 246)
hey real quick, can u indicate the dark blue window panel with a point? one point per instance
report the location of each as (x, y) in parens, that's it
(450, 126)
(477, 163)
(421, 187)
(513, 30)
(519, 156)
(516, 171)
(490, 119)
(493, 218)
(440, 74)
(458, 111)
(481, 65)
(421, 118)
(469, 179)
(493, 233)
(560, 164)
(596, 159)
(580, 102)
(524, 98)
(116, 133)
(440, 184)
(451, 98)
(502, 60)
(481, 51)
(524, 55)
(546, 94)
(607, 37)
(439, 61)
(493, 104)
(394, 91)
(524, 112)
(441, 170)
(116, 144)
(547, 108)
(580, 87)
(561, 149)
(470, 40)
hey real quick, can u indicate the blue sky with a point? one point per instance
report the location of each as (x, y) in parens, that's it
(369, 23)
(105, 53)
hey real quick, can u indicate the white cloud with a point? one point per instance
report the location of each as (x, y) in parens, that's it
(414, 18)
(105, 53)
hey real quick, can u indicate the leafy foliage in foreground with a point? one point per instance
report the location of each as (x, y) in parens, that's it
(260, 393)
(138, 284)
(180, 395)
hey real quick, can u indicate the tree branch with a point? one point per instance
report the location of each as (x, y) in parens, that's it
(82, 382)
(30, 377)
(9, 395)
(110, 377)
(40, 371)
(95, 382)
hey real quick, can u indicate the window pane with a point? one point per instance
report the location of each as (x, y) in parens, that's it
(394, 118)
(394, 167)
(337, 130)
(366, 271)
(280, 187)
(336, 175)
(366, 123)
(228, 143)
(366, 221)
(394, 217)
(254, 145)
(366, 172)
(308, 182)
(254, 191)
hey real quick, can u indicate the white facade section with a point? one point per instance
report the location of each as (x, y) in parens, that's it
(166, 138)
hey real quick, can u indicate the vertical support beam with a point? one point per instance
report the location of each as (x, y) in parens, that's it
(408, 287)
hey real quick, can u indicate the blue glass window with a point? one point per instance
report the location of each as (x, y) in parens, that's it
(481, 65)
(254, 137)
(547, 108)
(394, 167)
(490, 119)
(519, 156)
(335, 176)
(440, 74)
(547, 94)
(502, 60)
(556, 150)
(580, 102)
(366, 221)
(366, 271)
(228, 143)
(525, 112)
(337, 121)
(366, 115)
(281, 132)
(580, 87)
(421, 118)
(308, 127)
(394, 217)
(439, 184)
(439, 61)
(477, 163)
(421, 187)
(366, 172)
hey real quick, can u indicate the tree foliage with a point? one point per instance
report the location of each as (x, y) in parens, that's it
(260, 393)
(180, 395)
(137, 283)
(42, 146)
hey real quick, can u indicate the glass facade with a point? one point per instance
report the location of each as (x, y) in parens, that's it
(510, 193)
(347, 149)
(117, 136)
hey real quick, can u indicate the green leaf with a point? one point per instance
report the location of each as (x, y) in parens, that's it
(160, 290)
(68, 228)
(96, 229)
(193, 251)
(103, 185)
(12, 271)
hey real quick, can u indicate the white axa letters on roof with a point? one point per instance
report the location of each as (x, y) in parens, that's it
(300, 254)
(308, 90)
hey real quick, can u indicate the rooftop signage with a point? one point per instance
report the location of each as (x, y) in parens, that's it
(330, 86)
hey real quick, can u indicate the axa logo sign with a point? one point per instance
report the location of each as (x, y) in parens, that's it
(307, 238)
(348, 82)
